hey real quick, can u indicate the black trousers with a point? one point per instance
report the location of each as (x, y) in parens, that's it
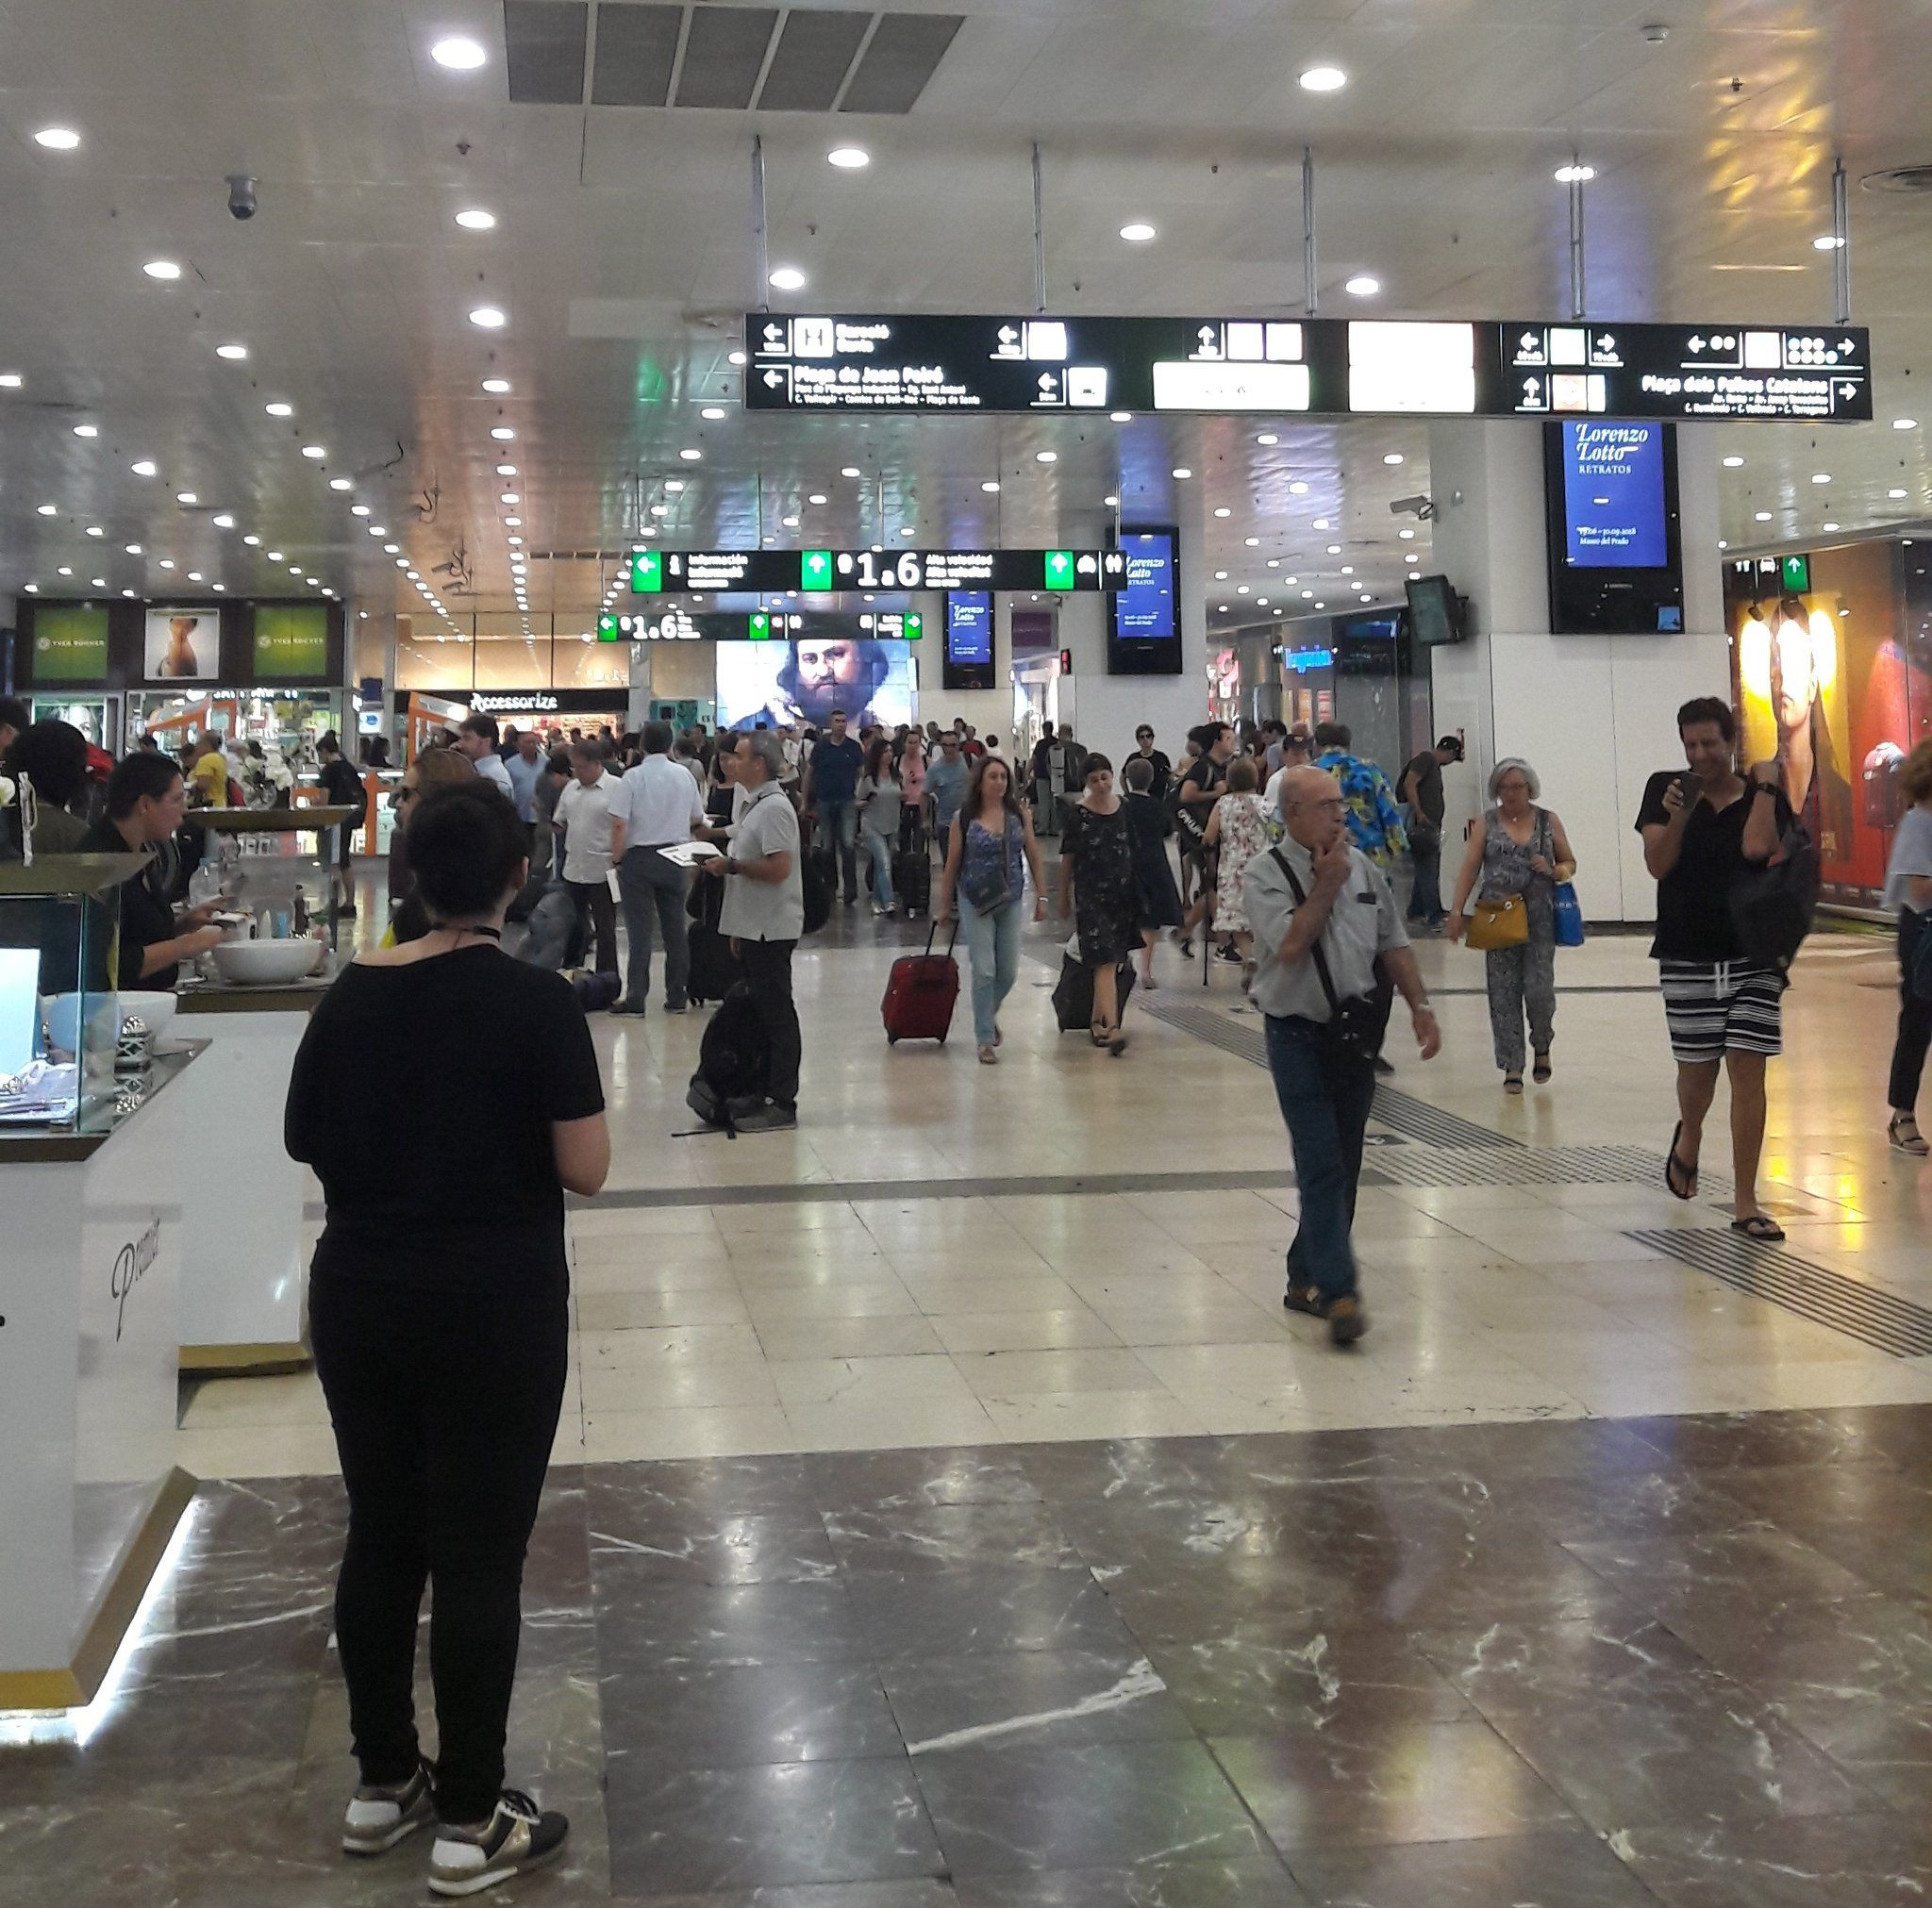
(445, 1392)
(598, 913)
(1914, 1019)
(768, 976)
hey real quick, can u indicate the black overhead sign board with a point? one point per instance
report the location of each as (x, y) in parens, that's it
(1328, 367)
(823, 571)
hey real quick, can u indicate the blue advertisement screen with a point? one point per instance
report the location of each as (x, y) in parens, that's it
(1613, 496)
(1143, 607)
(969, 626)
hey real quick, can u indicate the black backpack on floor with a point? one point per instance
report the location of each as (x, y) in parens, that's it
(734, 1064)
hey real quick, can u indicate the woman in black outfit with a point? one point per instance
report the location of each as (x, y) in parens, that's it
(1157, 902)
(438, 1311)
(1097, 866)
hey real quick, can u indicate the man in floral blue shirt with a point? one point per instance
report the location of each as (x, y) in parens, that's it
(1375, 822)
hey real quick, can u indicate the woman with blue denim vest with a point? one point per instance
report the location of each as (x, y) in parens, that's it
(989, 848)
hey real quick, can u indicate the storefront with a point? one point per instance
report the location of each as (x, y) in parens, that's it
(560, 716)
(1831, 655)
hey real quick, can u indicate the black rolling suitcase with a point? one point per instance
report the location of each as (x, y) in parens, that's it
(912, 878)
(714, 968)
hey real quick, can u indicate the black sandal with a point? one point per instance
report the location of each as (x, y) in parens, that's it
(1675, 1169)
(1761, 1227)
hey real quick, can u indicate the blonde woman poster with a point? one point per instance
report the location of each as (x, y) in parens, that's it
(183, 645)
(1792, 679)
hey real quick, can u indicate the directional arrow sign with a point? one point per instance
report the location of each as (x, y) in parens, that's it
(815, 569)
(607, 630)
(915, 625)
(759, 625)
(774, 379)
(774, 334)
(1059, 570)
(648, 572)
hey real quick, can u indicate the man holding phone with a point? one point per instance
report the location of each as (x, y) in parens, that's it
(1704, 831)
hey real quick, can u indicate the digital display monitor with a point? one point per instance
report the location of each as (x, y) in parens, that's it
(1610, 487)
(968, 663)
(1144, 638)
(802, 679)
(1613, 496)
(1435, 611)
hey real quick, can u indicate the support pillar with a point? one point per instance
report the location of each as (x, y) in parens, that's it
(1595, 716)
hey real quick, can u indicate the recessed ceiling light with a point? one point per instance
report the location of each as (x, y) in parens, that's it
(1392, 457)
(66, 570)
(1323, 79)
(146, 467)
(848, 159)
(1348, 569)
(1335, 548)
(1905, 424)
(506, 470)
(315, 451)
(816, 497)
(1182, 473)
(185, 497)
(167, 563)
(502, 433)
(1821, 476)
(32, 589)
(279, 409)
(1363, 284)
(712, 412)
(1297, 489)
(276, 556)
(1221, 510)
(87, 430)
(233, 352)
(1221, 609)
(1894, 495)
(391, 549)
(339, 483)
(133, 549)
(1046, 457)
(1761, 516)
(58, 138)
(490, 317)
(10, 380)
(789, 523)
(354, 510)
(1831, 526)
(1826, 242)
(1575, 175)
(95, 530)
(379, 530)
(460, 53)
(513, 521)
(1121, 417)
(1407, 536)
(1307, 596)
(1266, 438)
(1110, 502)
(166, 270)
(1733, 463)
(511, 498)
(125, 592)
(1252, 542)
(673, 486)
(734, 358)
(990, 484)
(194, 576)
(1136, 232)
(496, 387)
(787, 278)
(474, 219)
(254, 542)
(1275, 563)
(692, 454)
(1240, 590)
(1411, 557)
(224, 521)
(660, 509)
(1321, 523)
(1221, 577)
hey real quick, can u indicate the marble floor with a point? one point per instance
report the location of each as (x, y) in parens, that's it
(946, 1511)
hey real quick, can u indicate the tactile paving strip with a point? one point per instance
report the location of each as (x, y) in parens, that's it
(1875, 1318)
(1531, 1165)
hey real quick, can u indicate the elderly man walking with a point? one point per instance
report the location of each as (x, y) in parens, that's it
(1321, 916)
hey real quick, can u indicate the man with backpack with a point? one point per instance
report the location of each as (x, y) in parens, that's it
(763, 916)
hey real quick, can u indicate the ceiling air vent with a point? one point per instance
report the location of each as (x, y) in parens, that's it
(1900, 179)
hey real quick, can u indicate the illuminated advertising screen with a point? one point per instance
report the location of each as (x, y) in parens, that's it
(1613, 496)
(968, 662)
(1144, 637)
(183, 645)
(801, 680)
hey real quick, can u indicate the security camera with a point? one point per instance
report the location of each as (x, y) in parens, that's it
(1421, 508)
(241, 196)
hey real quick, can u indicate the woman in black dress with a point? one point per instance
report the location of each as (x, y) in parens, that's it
(1097, 865)
(1157, 901)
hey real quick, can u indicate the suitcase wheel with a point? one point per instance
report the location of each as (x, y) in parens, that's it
(891, 1040)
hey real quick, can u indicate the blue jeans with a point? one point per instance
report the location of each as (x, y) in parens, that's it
(1426, 897)
(992, 937)
(838, 826)
(1324, 1099)
(880, 848)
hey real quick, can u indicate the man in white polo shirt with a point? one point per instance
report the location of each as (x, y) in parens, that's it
(656, 806)
(764, 916)
(583, 815)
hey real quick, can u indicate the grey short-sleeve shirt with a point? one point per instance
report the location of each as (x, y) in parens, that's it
(1363, 923)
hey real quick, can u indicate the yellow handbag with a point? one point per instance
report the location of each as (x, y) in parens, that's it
(1498, 923)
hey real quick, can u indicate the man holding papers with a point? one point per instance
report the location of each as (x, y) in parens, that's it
(655, 807)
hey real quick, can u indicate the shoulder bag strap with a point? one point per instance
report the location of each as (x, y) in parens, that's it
(1320, 959)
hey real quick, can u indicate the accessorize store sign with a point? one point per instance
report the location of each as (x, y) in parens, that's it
(290, 642)
(70, 642)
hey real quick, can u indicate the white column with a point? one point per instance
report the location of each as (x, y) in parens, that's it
(1594, 715)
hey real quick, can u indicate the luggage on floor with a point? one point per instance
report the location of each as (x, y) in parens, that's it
(912, 882)
(1073, 994)
(594, 991)
(554, 935)
(714, 968)
(921, 992)
(818, 881)
(734, 1064)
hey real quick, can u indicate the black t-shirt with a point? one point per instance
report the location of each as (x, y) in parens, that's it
(1425, 790)
(1204, 775)
(1163, 770)
(1693, 913)
(451, 1168)
(342, 785)
(147, 916)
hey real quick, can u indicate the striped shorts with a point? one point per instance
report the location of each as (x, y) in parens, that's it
(1712, 1007)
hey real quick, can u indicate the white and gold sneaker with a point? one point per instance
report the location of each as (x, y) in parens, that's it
(519, 1836)
(378, 1818)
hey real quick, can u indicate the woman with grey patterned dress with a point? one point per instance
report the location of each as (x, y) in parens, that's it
(1518, 848)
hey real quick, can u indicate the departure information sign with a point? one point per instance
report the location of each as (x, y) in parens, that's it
(667, 624)
(664, 572)
(1320, 367)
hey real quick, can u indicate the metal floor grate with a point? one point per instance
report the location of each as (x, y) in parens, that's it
(1875, 1318)
(1526, 1165)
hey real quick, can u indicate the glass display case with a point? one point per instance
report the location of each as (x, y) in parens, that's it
(59, 1020)
(272, 867)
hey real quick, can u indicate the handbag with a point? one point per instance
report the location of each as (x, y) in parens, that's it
(1569, 913)
(1771, 906)
(1498, 923)
(1355, 1027)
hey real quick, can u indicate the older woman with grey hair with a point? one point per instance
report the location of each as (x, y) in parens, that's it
(1517, 848)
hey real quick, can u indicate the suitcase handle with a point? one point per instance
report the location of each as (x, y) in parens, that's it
(932, 933)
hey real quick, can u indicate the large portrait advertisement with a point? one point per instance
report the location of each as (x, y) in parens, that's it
(803, 679)
(1831, 684)
(183, 645)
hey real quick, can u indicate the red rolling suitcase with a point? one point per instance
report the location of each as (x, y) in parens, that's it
(920, 993)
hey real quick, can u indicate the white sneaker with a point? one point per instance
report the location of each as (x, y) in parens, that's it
(377, 1819)
(518, 1837)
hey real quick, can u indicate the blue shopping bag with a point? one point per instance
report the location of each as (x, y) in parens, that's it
(1569, 913)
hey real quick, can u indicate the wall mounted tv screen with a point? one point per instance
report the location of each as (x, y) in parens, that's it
(1436, 614)
(1610, 488)
(1145, 636)
(968, 658)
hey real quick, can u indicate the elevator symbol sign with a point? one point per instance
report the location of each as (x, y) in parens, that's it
(815, 569)
(648, 572)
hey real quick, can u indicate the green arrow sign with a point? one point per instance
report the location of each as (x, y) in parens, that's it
(1059, 570)
(648, 572)
(915, 625)
(1794, 573)
(607, 630)
(759, 625)
(815, 569)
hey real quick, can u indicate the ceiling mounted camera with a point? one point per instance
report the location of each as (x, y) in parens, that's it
(240, 195)
(1422, 508)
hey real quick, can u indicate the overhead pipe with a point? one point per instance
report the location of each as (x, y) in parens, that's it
(1039, 236)
(1840, 244)
(761, 290)
(1308, 291)
(1578, 263)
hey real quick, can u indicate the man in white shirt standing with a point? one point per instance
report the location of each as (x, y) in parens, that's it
(655, 807)
(584, 818)
(477, 738)
(764, 916)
